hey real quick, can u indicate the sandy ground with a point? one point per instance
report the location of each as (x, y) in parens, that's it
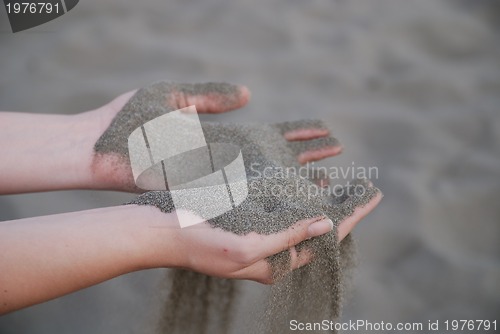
(410, 87)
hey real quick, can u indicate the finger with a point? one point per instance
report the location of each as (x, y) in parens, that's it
(347, 225)
(319, 154)
(315, 149)
(262, 271)
(304, 229)
(303, 129)
(304, 134)
(209, 97)
(300, 258)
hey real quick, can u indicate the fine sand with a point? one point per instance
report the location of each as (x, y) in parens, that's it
(411, 87)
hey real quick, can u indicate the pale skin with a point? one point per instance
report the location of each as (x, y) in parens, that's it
(42, 258)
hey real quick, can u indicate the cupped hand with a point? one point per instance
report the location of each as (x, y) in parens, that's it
(212, 251)
(116, 121)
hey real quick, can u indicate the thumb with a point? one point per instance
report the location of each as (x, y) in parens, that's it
(211, 97)
(300, 231)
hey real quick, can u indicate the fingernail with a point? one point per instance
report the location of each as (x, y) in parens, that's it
(320, 228)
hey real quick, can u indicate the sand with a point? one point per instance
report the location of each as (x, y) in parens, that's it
(313, 292)
(275, 202)
(409, 86)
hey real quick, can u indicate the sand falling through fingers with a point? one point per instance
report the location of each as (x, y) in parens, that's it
(197, 303)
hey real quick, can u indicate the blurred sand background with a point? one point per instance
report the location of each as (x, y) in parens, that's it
(412, 87)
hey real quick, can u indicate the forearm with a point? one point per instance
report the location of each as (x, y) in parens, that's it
(45, 257)
(45, 152)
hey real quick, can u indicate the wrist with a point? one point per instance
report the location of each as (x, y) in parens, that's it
(84, 134)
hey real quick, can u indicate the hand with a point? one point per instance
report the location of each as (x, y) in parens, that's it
(215, 252)
(47, 257)
(63, 146)
(104, 243)
(308, 141)
(110, 165)
(89, 150)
